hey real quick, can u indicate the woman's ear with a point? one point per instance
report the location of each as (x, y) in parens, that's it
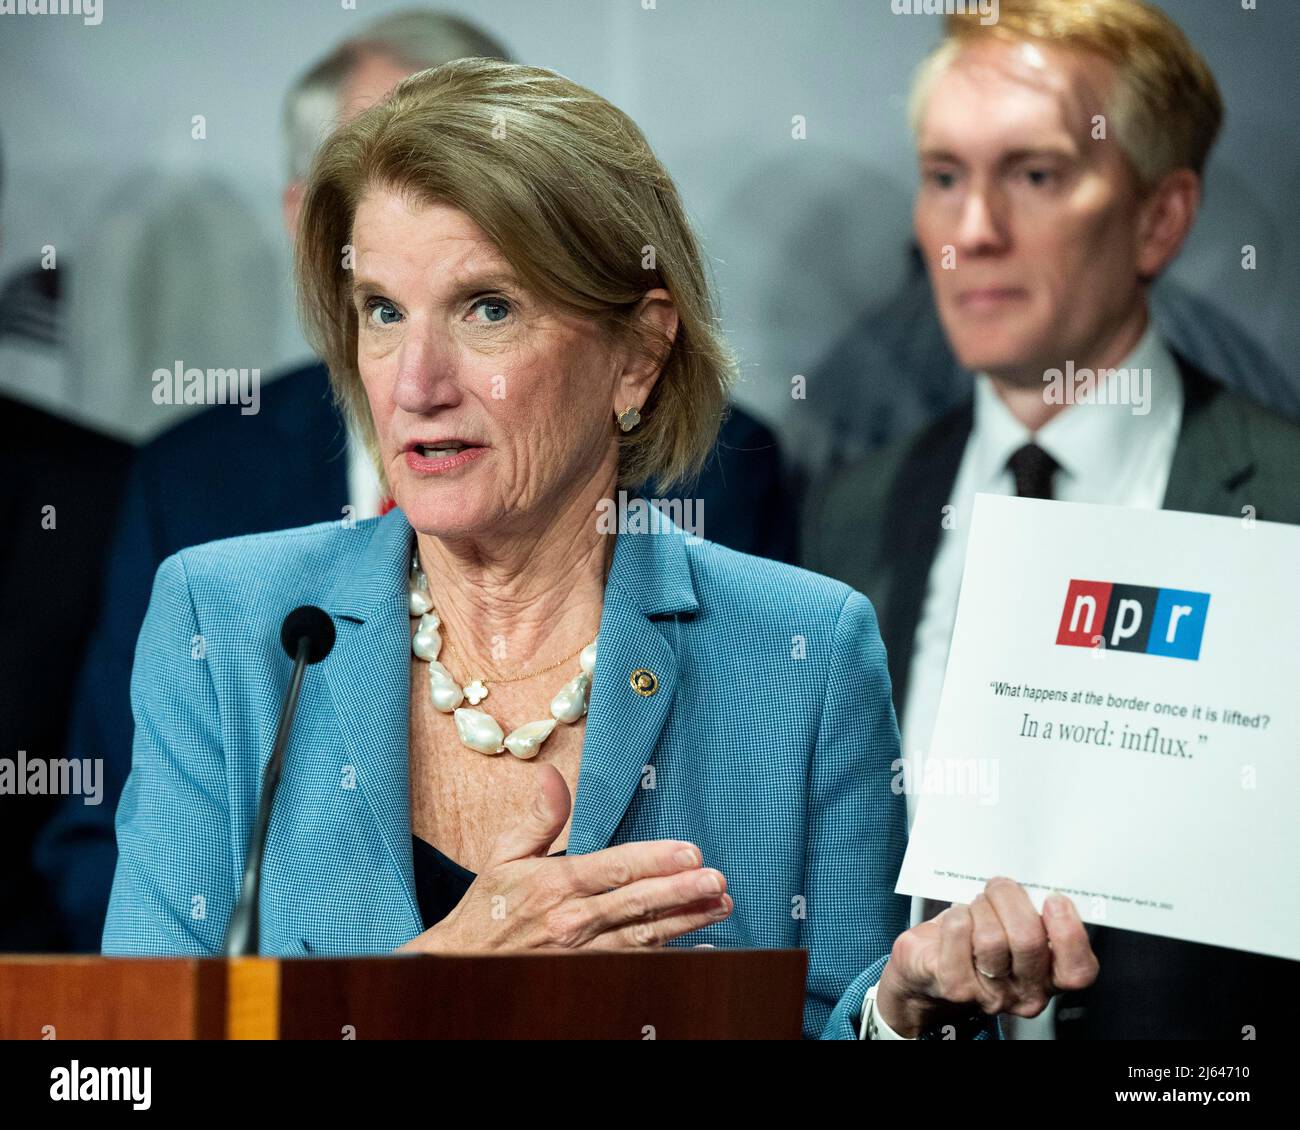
(655, 322)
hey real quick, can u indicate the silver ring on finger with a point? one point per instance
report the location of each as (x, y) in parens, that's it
(990, 976)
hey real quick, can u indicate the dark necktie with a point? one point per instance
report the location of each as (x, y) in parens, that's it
(1033, 469)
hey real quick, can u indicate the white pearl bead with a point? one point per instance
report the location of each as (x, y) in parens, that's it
(571, 703)
(420, 602)
(587, 660)
(427, 644)
(526, 741)
(445, 691)
(479, 731)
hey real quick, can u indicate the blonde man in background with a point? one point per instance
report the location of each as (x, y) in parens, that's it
(1062, 152)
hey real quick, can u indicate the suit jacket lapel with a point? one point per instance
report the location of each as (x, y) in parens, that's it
(649, 584)
(368, 674)
(1213, 462)
(912, 525)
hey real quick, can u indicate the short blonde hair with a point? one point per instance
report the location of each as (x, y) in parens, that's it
(569, 190)
(1166, 110)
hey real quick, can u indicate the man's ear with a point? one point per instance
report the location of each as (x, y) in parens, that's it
(1165, 218)
(656, 316)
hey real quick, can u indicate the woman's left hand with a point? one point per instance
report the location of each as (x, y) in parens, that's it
(997, 954)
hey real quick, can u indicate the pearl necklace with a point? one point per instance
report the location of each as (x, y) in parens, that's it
(476, 728)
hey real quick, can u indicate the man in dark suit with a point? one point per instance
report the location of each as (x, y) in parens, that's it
(62, 487)
(1052, 197)
(62, 484)
(222, 474)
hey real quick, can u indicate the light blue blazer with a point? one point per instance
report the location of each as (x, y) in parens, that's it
(771, 736)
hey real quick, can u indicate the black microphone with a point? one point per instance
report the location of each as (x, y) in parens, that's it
(307, 636)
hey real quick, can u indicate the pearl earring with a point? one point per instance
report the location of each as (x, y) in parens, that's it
(629, 418)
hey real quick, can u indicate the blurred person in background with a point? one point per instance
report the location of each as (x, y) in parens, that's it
(174, 268)
(61, 486)
(222, 473)
(33, 367)
(1058, 236)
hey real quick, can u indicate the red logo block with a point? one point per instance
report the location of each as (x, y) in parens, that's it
(1084, 615)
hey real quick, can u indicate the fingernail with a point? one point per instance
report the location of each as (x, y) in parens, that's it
(709, 884)
(688, 857)
(1054, 905)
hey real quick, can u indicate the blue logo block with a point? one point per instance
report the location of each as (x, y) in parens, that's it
(1178, 624)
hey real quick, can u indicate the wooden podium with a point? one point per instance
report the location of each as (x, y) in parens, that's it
(669, 994)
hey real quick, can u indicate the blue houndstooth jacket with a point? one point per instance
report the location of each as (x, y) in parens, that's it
(772, 739)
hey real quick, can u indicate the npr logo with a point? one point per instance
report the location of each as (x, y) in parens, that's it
(1134, 618)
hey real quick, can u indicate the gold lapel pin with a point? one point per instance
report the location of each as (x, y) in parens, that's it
(644, 682)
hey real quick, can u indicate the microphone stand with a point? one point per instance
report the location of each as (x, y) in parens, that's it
(241, 931)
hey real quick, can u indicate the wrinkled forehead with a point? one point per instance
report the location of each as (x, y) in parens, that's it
(397, 235)
(1016, 89)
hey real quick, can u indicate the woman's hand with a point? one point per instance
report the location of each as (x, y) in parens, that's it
(997, 955)
(634, 896)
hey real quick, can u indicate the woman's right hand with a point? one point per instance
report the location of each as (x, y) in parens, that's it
(633, 896)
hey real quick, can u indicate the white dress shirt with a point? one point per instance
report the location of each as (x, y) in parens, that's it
(363, 484)
(1105, 454)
